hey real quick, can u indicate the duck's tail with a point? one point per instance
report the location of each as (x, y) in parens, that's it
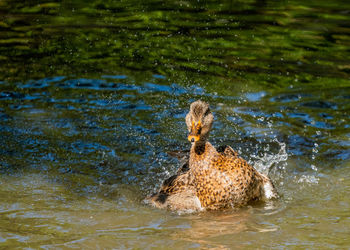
(270, 191)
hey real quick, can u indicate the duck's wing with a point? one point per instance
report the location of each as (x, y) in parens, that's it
(179, 154)
(249, 173)
(183, 156)
(227, 151)
(184, 168)
(177, 183)
(177, 193)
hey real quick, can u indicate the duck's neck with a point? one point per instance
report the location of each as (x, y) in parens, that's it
(201, 151)
(198, 148)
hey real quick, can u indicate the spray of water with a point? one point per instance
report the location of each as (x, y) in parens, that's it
(265, 163)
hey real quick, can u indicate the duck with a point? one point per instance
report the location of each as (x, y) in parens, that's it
(211, 178)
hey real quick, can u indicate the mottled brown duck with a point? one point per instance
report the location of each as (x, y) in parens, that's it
(211, 178)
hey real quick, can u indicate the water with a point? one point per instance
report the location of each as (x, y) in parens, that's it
(93, 97)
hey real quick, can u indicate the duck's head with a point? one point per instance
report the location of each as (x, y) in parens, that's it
(199, 121)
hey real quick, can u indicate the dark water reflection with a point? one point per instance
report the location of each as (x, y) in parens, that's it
(93, 96)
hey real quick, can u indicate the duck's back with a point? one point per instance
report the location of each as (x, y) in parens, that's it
(224, 180)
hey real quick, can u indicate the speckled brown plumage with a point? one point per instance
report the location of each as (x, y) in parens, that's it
(211, 178)
(224, 179)
(177, 192)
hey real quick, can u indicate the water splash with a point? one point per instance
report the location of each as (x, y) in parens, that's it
(265, 163)
(307, 179)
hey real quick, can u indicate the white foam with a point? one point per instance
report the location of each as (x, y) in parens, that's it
(264, 163)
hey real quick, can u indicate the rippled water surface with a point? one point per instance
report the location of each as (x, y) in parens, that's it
(93, 98)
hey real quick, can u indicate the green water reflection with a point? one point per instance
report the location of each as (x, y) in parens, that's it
(266, 44)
